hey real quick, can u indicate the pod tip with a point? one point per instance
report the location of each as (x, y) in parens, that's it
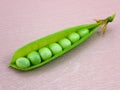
(105, 22)
(111, 18)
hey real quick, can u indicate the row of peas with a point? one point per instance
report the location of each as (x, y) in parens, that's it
(47, 52)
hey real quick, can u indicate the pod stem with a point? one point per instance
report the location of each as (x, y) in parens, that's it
(105, 22)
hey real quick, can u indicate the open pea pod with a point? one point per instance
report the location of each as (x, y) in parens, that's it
(46, 49)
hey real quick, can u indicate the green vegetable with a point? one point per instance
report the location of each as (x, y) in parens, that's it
(46, 49)
(83, 32)
(73, 37)
(65, 43)
(22, 62)
(34, 57)
(55, 48)
(45, 53)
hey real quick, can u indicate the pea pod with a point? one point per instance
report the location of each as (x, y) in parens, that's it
(46, 49)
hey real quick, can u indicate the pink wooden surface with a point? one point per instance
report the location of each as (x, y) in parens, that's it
(94, 65)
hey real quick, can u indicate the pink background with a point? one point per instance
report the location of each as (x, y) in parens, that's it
(94, 65)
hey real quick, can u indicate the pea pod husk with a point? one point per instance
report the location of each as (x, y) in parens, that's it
(42, 42)
(37, 44)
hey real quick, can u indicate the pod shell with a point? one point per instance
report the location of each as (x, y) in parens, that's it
(42, 42)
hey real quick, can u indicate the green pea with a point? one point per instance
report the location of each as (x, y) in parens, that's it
(34, 57)
(65, 43)
(55, 48)
(45, 53)
(83, 32)
(54, 45)
(23, 62)
(73, 37)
